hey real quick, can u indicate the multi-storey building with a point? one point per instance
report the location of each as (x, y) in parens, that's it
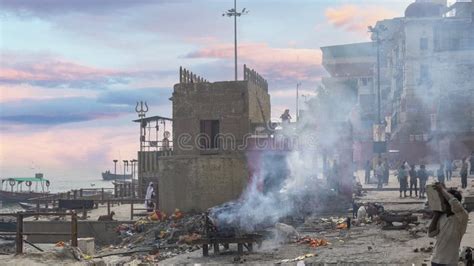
(426, 82)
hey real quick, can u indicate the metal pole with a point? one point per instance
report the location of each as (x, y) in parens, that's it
(379, 119)
(74, 229)
(235, 38)
(124, 169)
(297, 100)
(19, 233)
(115, 167)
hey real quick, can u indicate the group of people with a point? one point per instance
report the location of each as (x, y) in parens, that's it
(382, 172)
(445, 171)
(412, 179)
(410, 175)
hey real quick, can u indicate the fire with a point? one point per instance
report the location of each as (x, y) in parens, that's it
(313, 242)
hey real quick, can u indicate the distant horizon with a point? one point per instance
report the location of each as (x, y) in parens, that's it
(72, 71)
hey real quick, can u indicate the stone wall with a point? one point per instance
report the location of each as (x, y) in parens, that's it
(259, 104)
(103, 231)
(236, 104)
(199, 182)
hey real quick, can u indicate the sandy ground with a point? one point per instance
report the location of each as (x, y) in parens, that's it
(361, 245)
(122, 212)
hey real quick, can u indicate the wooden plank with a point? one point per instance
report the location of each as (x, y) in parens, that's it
(47, 233)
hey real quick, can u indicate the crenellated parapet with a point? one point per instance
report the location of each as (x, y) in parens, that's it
(253, 76)
(186, 76)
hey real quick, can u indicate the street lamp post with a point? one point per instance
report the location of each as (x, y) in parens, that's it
(125, 164)
(133, 162)
(376, 31)
(115, 166)
(141, 109)
(233, 13)
(297, 100)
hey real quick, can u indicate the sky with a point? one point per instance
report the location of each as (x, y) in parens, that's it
(71, 71)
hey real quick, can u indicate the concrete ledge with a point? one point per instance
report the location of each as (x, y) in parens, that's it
(103, 231)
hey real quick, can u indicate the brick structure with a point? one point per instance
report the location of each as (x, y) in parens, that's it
(211, 121)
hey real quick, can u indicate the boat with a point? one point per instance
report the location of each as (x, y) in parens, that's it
(13, 191)
(107, 175)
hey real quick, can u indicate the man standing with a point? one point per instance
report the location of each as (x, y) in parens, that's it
(379, 174)
(368, 168)
(413, 180)
(471, 160)
(386, 171)
(448, 227)
(448, 167)
(286, 117)
(463, 173)
(423, 176)
(440, 174)
(403, 177)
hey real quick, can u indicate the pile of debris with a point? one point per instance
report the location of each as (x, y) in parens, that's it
(313, 224)
(313, 242)
(159, 236)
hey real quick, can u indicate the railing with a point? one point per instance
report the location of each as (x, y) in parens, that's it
(253, 76)
(186, 76)
(123, 193)
(133, 209)
(20, 233)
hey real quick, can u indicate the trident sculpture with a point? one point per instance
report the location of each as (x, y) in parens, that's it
(142, 110)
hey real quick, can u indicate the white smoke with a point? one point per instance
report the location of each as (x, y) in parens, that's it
(294, 183)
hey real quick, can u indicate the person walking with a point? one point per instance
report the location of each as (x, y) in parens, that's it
(448, 168)
(422, 175)
(368, 168)
(413, 181)
(463, 173)
(448, 227)
(440, 174)
(403, 177)
(149, 196)
(379, 174)
(286, 117)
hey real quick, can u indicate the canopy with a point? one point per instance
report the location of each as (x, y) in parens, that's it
(25, 179)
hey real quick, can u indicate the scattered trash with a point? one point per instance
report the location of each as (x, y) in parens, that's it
(342, 225)
(167, 236)
(309, 255)
(313, 242)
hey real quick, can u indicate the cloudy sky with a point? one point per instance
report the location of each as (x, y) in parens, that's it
(72, 70)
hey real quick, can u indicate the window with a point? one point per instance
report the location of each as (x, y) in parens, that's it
(209, 132)
(423, 43)
(364, 81)
(454, 44)
(424, 74)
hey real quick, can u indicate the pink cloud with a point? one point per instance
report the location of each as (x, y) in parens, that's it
(66, 153)
(275, 63)
(52, 71)
(16, 92)
(356, 18)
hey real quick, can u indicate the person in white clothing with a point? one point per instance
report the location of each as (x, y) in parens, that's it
(150, 194)
(448, 227)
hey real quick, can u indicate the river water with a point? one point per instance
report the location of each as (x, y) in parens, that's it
(62, 185)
